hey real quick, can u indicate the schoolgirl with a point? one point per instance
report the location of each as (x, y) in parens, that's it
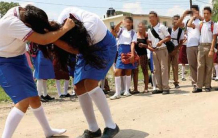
(127, 39)
(15, 75)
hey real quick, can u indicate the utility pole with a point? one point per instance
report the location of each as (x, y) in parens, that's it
(190, 4)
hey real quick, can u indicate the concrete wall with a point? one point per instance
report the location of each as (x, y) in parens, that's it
(137, 19)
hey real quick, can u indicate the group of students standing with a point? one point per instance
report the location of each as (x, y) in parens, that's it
(193, 42)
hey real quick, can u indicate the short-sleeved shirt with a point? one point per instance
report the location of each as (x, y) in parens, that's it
(162, 31)
(206, 32)
(13, 34)
(174, 36)
(126, 37)
(193, 34)
(93, 24)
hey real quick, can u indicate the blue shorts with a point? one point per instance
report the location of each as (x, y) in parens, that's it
(16, 78)
(119, 63)
(83, 71)
(43, 67)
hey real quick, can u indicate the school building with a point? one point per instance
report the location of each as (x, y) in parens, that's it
(114, 20)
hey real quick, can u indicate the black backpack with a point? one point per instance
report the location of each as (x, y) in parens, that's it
(179, 33)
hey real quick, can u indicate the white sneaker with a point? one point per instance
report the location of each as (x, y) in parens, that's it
(115, 97)
(127, 94)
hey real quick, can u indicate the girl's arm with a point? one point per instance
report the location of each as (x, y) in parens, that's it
(63, 45)
(117, 27)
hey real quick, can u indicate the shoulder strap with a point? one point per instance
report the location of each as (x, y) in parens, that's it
(121, 31)
(132, 34)
(212, 26)
(170, 30)
(179, 34)
(155, 34)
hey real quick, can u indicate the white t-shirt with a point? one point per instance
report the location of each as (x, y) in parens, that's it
(206, 32)
(193, 34)
(126, 38)
(174, 36)
(13, 34)
(93, 24)
(162, 31)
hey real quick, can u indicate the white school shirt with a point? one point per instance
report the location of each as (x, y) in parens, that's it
(174, 35)
(162, 31)
(126, 38)
(193, 34)
(13, 34)
(206, 32)
(93, 24)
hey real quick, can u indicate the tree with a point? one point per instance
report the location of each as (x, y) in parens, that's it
(124, 13)
(5, 6)
(215, 10)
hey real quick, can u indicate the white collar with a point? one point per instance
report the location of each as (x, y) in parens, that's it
(157, 25)
(207, 22)
(16, 12)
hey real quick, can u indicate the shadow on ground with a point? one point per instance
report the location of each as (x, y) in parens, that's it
(129, 133)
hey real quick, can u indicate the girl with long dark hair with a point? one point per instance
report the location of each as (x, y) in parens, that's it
(15, 75)
(95, 47)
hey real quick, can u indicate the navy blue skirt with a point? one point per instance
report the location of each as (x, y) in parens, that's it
(119, 64)
(16, 78)
(43, 67)
(83, 71)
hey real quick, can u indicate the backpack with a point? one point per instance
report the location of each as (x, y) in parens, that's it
(179, 33)
(212, 26)
(121, 31)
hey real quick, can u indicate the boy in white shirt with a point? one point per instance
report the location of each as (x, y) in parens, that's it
(177, 36)
(205, 50)
(160, 53)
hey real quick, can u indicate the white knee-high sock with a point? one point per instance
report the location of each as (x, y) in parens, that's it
(13, 119)
(123, 80)
(45, 88)
(183, 71)
(118, 86)
(58, 85)
(127, 84)
(88, 110)
(39, 85)
(66, 85)
(216, 68)
(48, 131)
(100, 100)
(153, 81)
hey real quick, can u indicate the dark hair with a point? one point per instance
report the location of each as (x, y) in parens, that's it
(195, 7)
(208, 9)
(129, 18)
(78, 37)
(153, 12)
(176, 16)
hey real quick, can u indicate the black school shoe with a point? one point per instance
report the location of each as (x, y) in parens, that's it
(157, 92)
(42, 99)
(89, 134)
(197, 90)
(207, 90)
(110, 133)
(166, 92)
(49, 98)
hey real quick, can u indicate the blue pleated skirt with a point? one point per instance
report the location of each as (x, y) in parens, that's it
(119, 64)
(43, 67)
(16, 78)
(83, 71)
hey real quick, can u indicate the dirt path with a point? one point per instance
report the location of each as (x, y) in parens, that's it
(178, 115)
